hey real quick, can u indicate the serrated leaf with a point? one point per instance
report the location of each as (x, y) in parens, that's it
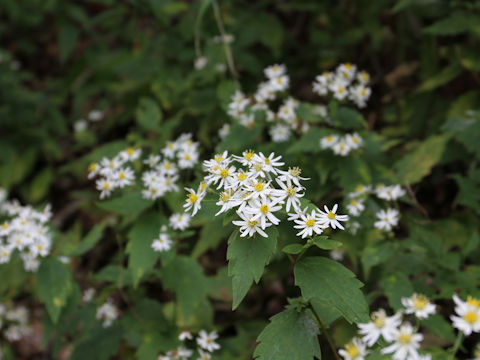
(329, 281)
(293, 249)
(417, 164)
(142, 258)
(90, 240)
(185, 277)
(290, 335)
(247, 257)
(148, 114)
(127, 204)
(54, 284)
(323, 242)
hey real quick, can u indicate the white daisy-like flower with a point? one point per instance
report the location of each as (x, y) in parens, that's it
(406, 343)
(354, 350)
(207, 340)
(355, 207)
(289, 193)
(162, 243)
(262, 210)
(380, 325)
(179, 221)
(331, 218)
(185, 335)
(275, 70)
(468, 315)
(308, 224)
(387, 219)
(329, 141)
(88, 295)
(419, 305)
(193, 200)
(341, 148)
(248, 227)
(204, 355)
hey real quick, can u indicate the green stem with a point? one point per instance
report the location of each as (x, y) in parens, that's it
(223, 33)
(457, 344)
(325, 332)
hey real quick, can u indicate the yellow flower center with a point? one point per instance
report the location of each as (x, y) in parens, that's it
(359, 188)
(122, 175)
(295, 172)
(192, 197)
(258, 167)
(348, 66)
(252, 223)
(224, 196)
(187, 157)
(218, 158)
(130, 151)
(472, 301)
(40, 247)
(329, 138)
(405, 339)
(264, 209)
(249, 155)
(241, 176)
(355, 139)
(106, 186)
(363, 92)
(420, 302)
(310, 222)
(353, 202)
(224, 173)
(291, 191)
(341, 147)
(279, 80)
(331, 215)
(92, 167)
(352, 350)
(4, 226)
(341, 89)
(259, 186)
(167, 165)
(378, 321)
(5, 253)
(267, 161)
(471, 317)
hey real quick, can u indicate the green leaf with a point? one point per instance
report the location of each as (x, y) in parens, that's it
(90, 240)
(417, 164)
(469, 194)
(467, 131)
(441, 78)
(293, 249)
(326, 312)
(439, 326)
(290, 335)
(309, 142)
(376, 254)
(127, 204)
(54, 285)
(100, 344)
(323, 242)
(456, 23)
(67, 39)
(148, 114)
(239, 138)
(142, 258)
(247, 257)
(396, 286)
(329, 281)
(185, 277)
(349, 119)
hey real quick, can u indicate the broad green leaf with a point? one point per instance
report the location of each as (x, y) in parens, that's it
(439, 326)
(290, 335)
(67, 39)
(142, 258)
(376, 254)
(148, 114)
(326, 312)
(239, 138)
(329, 281)
(100, 344)
(247, 257)
(54, 285)
(309, 142)
(414, 166)
(40, 185)
(323, 242)
(127, 204)
(184, 276)
(349, 119)
(115, 274)
(90, 240)
(396, 286)
(469, 194)
(456, 23)
(211, 235)
(467, 131)
(293, 249)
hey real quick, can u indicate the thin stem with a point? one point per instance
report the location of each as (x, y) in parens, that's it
(457, 344)
(325, 332)
(223, 33)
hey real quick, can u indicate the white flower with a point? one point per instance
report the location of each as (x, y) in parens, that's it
(163, 243)
(88, 295)
(184, 335)
(354, 350)
(228, 199)
(123, 177)
(331, 218)
(224, 131)
(107, 313)
(360, 94)
(309, 224)
(200, 62)
(360, 190)
(105, 187)
(275, 70)
(130, 154)
(406, 344)
(419, 305)
(262, 210)
(293, 174)
(95, 115)
(355, 207)
(329, 141)
(291, 193)
(80, 125)
(248, 227)
(341, 148)
(152, 160)
(179, 221)
(389, 192)
(187, 158)
(468, 319)
(194, 200)
(207, 340)
(279, 83)
(346, 72)
(204, 355)
(354, 141)
(387, 219)
(280, 133)
(269, 164)
(381, 325)
(339, 89)
(363, 77)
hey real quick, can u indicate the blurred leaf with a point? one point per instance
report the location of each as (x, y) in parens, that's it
(148, 114)
(396, 286)
(439, 326)
(90, 240)
(290, 335)
(469, 194)
(329, 281)
(40, 185)
(376, 254)
(417, 164)
(126, 204)
(456, 23)
(349, 119)
(54, 285)
(67, 39)
(293, 249)
(247, 258)
(446, 75)
(99, 344)
(323, 242)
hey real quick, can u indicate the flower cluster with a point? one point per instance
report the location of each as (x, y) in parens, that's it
(24, 229)
(205, 343)
(387, 218)
(107, 313)
(93, 116)
(258, 189)
(13, 321)
(341, 145)
(164, 240)
(403, 339)
(161, 176)
(345, 82)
